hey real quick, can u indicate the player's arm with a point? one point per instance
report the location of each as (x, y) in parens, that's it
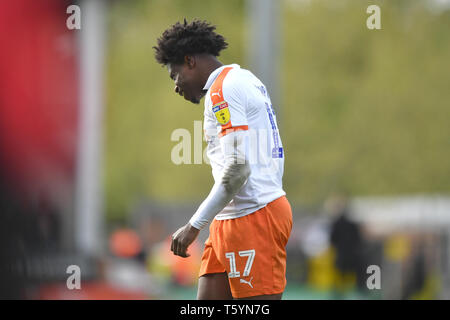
(235, 173)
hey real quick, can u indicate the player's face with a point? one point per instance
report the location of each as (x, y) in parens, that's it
(186, 81)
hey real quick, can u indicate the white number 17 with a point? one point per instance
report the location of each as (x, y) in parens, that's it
(248, 266)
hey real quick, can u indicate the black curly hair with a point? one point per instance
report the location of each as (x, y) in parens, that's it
(192, 38)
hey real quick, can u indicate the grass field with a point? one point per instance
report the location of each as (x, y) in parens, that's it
(292, 292)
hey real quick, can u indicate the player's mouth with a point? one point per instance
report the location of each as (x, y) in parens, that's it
(185, 95)
(189, 97)
(181, 92)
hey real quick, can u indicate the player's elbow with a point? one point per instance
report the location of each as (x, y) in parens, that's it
(245, 171)
(235, 176)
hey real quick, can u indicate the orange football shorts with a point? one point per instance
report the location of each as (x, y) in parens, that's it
(251, 249)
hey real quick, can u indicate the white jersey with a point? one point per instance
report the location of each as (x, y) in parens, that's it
(237, 100)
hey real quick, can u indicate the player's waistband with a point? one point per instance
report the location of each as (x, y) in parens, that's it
(249, 210)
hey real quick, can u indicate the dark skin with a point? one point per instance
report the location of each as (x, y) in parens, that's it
(190, 78)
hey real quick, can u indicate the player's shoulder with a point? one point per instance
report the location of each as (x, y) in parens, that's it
(237, 80)
(237, 75)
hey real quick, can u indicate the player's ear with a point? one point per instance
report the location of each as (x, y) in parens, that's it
(189, 61)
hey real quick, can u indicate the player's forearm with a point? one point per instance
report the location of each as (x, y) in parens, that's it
(234, 177)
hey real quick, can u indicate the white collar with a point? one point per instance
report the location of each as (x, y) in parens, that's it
(213, 76)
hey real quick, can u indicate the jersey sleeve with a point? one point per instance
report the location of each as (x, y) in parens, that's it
(234, 175)
(229, 103)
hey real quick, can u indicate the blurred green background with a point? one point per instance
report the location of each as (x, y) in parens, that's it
(364, 111)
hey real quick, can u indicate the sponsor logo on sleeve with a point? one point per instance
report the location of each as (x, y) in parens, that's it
(222, 112)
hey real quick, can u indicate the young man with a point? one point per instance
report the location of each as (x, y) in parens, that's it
(244, 255)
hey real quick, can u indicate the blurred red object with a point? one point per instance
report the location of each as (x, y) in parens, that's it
(39, 97)
(88, 291)
(125, 243)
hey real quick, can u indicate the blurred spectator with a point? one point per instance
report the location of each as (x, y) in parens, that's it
(346, 239)
(415, 281)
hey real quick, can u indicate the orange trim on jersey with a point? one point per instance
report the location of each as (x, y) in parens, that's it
(217, 97)
(217, 93)
(226, 131)
(216, 88)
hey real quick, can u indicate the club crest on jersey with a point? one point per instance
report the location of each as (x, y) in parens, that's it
(222, 112)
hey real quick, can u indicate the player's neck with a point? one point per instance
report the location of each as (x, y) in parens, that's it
(210, 64)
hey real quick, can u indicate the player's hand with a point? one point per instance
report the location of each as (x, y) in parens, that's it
(182, 239)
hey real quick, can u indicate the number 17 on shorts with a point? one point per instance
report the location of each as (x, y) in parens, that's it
(250, 254)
